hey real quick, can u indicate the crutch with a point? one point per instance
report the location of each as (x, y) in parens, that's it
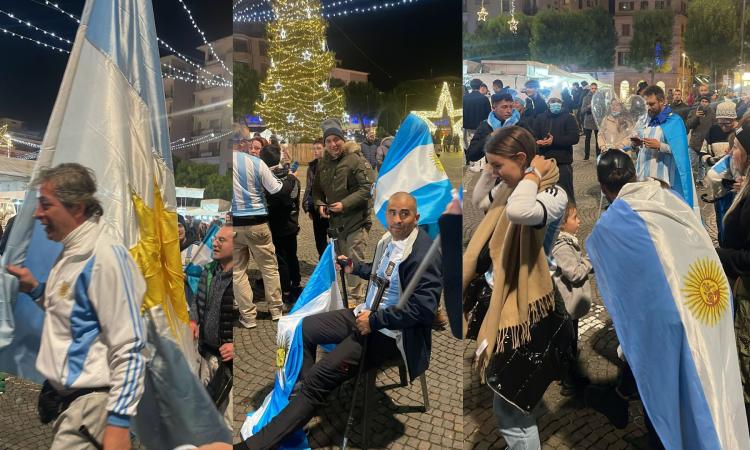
(333, 233)
(382, 284)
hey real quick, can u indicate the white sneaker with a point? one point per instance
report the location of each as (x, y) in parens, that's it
(248, 325)
(475, 167)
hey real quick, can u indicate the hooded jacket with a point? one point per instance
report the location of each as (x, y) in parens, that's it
(347, 179)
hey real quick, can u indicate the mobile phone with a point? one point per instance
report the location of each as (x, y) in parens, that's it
(295, 166)
(636, 140)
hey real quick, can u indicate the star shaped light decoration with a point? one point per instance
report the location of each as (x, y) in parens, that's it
(324, 85)
(513, 24)
(306, 55)
(445, 104)
(278, 86)
(318, 107)
(482, 14)
(282, 33)
(345, 118)
(290, 118)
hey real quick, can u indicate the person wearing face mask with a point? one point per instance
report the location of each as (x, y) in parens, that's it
(556, 132)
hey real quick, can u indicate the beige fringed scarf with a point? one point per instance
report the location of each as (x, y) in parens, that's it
(523, 291)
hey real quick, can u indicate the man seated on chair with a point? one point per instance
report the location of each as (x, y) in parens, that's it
(394, 333)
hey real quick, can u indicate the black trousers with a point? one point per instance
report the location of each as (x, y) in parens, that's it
(286, 254)
(319, 379)
(320, 230)
(587, 142)
(566, 180)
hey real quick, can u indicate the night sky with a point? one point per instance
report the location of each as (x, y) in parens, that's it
(30, 75)
(407, 42)
(413, 41)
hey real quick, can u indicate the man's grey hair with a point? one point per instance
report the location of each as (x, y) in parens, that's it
(73, 184)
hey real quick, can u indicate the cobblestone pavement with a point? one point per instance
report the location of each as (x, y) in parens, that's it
(564, 422)
(396, 421)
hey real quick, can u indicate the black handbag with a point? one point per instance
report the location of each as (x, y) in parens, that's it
(221, 383)
(522, 375)
(476, 303)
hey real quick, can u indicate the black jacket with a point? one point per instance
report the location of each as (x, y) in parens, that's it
(564, 129)
(476, 109)
(415, 320)
(283, 210)
(307, 202)
(226, 315)
(475, 151)
(735, 244)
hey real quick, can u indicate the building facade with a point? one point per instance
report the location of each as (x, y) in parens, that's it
(675, 74)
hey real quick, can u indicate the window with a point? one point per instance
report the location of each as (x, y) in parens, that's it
(627, 6)
(622, 58)
(683, 8)
(669, 3)
(682, 30)
(477, 2)
(659, 4)
(240, 45)
(263, 48)
(465, 8)
(215, 124)
(625, 29)
(213, 147)
(644, 5)
(506, 5)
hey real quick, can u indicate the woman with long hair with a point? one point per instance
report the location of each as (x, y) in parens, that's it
(734, 252)
(508, 291)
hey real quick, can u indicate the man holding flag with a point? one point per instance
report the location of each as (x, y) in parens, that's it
(392, 331)
(93, 334)
(673, 319)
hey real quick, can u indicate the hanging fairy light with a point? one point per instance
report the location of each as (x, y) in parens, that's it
(482, 14)
(513, 23)
(203, 36)
(34, 27)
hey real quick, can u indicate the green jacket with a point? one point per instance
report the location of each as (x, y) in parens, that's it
(348, 180)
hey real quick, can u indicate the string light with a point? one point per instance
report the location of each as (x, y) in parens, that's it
(211, 137)
(330, 11)
(30, 25)
(160, 40)
(25, 142)
(187, 60)
(203, 36)
(191, 77)
(33, 40)
(54, 6)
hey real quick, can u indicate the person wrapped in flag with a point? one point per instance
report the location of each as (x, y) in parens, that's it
(663, 148)
(392, 332)
(93, 335)
(672, 311)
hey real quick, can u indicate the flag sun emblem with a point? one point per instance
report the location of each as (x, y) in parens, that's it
(706, 290)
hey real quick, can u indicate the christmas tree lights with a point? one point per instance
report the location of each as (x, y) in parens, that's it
(296, 96)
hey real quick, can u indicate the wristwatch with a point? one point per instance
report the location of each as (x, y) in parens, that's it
(533, 170)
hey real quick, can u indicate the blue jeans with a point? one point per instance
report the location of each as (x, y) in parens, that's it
(699, 169)
(518, 428)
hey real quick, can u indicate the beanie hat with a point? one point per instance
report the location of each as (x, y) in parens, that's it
(555, 94)
(726, 110)
(332, 127)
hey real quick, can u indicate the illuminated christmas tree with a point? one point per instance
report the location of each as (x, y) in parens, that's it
(296, 96)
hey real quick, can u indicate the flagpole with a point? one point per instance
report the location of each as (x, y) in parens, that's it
(412, 286)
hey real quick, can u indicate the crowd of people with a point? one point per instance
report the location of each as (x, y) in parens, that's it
(524, 291)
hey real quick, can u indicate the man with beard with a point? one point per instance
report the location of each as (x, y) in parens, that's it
(663, 150)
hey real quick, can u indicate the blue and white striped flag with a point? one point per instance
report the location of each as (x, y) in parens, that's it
(412, 166)
(671, 304)
(202, 256)
(321, 294)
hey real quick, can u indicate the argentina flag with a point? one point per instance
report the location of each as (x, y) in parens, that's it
(321, 294)
(671, 304)
(202, 256)
(412, 166)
